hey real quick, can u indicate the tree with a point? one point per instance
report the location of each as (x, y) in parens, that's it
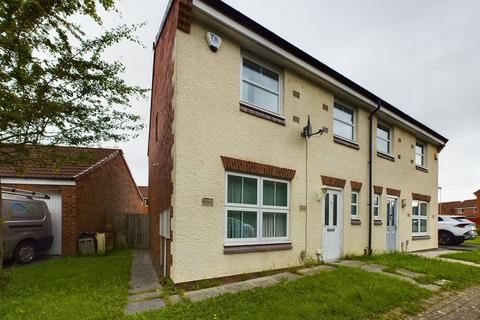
(55, 86)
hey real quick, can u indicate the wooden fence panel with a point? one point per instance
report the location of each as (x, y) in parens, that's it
(129, 230)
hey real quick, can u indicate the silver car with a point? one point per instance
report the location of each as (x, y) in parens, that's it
(27, 228)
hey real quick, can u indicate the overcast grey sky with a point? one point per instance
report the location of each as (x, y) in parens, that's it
(421, 56)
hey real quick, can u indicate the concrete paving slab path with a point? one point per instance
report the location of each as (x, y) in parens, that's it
(145, 288)
(143, 275)
(314, 270)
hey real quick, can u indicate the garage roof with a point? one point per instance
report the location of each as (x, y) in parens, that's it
(63, 165)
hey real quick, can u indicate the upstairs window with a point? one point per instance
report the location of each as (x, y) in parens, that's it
(419, 217)
(260, 86)
(343, 122)
(420, 154)
(384, 139)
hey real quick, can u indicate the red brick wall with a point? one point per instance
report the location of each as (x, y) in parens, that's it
(69, 222)
(161, 134)
(109, 189)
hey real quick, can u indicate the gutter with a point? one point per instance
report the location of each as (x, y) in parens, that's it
(370, 178)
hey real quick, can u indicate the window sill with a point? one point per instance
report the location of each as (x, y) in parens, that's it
(355, 222)
(385, 156)
(378, 222)
(346, 143)
(232, 249)
(261, 114)
(420, 168)
(421, 237)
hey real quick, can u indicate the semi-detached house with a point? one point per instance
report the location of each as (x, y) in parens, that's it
(235, 187)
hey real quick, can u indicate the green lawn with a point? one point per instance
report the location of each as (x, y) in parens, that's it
(473, 241)
(460, 275)
(343, 293)
(472, 256)
(67, 288)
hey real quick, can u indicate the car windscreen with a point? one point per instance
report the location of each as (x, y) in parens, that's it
(22, 210)
(462, 219)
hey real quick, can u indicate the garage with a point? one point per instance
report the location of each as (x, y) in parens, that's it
(82, 193)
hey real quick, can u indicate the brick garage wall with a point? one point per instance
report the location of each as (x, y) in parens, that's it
(160, 129)
(109, 189)
(69, 222)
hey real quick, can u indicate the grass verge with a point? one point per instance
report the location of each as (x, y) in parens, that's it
(472, 256)
(461, 276)
(343, 293)
(473, 241)
(72, 288)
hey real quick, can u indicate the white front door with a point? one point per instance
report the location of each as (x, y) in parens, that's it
(332, 225)
(391, 224)
(55, 207)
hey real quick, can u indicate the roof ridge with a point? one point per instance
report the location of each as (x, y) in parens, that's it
(98, 164)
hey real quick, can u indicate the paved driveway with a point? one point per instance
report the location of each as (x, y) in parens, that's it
(458, 305)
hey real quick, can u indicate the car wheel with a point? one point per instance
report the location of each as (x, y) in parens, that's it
(445, 238)
(25, 253)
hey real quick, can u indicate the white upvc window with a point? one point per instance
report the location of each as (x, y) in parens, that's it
(419, 217)
(354, 204)
(261, 86)
(343, 121)
(376, 206)
(420, 154)
(384, 139)
(256, 209)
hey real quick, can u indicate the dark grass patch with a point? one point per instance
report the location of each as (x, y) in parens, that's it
(461, 276)
(343, 293)
(67, 288)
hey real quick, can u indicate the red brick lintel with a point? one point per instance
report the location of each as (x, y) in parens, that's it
(421, 197)
(260, 169)
(393, 192)
(333, 182)
(356, 186)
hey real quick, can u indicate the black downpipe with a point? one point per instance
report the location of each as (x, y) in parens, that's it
(370, 178)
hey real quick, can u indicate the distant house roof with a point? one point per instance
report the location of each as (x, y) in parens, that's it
(90, 159)
(448, 207)
(143, 191)
(452, 206)
(471, 203)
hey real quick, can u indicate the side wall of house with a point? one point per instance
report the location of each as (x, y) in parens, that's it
(210, 123)
(69, 212)
(161, 132)
(108, 189)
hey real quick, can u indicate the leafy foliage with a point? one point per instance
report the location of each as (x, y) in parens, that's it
(55, 87)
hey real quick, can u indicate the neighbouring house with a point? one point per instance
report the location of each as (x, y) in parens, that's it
(144, 192)
(81, 193)
(467, 208)
(235, 187)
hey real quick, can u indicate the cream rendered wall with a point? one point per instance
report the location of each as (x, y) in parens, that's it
(209, 124)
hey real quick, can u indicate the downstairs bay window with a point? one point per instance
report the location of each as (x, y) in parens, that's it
(256, 209)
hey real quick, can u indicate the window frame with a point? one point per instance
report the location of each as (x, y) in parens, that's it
(377, 206)
(353, 125)
(390, 141)
(423, 155)
(357, 193)
(270, 67)
(259, 208)
(419, 217)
